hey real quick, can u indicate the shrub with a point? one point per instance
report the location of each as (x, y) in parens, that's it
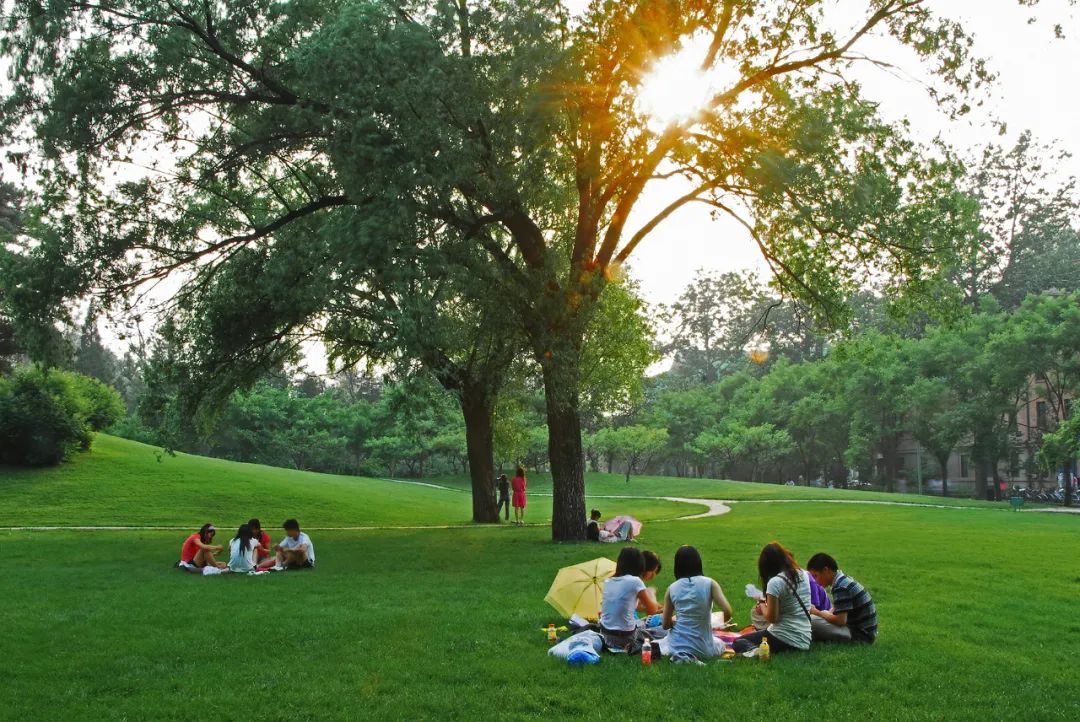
(42, 418)
(47, 415)
(103, 404)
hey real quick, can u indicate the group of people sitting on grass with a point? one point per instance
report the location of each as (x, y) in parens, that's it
(793, 610)
(249, 550)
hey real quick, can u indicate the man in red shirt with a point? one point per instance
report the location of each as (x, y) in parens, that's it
(262, 551)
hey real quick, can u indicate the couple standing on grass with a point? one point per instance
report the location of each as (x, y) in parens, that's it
(249, 550)
(786, 614)
(518, 500)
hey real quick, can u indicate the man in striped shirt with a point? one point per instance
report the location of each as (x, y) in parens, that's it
(853, 610)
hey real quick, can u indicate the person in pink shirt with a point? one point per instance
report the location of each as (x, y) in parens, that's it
(518, 499)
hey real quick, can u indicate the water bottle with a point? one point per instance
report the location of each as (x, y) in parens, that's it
(763, 649)
(646, 653)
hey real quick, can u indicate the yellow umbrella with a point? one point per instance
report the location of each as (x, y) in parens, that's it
(579, 589)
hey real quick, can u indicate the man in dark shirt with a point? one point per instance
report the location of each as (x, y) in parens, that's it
(504, 496)
(853, 609)
(592, 528)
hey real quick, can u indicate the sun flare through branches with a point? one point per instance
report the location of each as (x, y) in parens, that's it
(675, 87)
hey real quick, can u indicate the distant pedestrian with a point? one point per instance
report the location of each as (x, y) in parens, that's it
(504, 496)
(518, 502)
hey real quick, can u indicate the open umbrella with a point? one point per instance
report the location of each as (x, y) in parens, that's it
(614, 523)
(579, 589)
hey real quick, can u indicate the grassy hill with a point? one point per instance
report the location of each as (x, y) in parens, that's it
(976, 608)
(127, 483)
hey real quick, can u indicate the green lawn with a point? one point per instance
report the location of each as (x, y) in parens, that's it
(976, 609)
(646, 485)
(125, 483)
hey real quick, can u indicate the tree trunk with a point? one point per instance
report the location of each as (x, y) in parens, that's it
(477, 406)
(981, 489)
(561, 393)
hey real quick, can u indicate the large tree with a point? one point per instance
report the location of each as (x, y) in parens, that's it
(510, 125)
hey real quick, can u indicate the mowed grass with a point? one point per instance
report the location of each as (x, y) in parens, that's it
(602, 484)
(977, 612)
(125, 483)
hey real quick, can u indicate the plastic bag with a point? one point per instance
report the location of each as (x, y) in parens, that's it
(586, 645)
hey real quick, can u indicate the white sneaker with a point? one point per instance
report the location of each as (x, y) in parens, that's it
(278, 568)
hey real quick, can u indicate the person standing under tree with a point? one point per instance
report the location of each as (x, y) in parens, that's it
(518, 484)
(504, 496)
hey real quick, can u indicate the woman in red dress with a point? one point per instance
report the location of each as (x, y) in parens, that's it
(518, 499)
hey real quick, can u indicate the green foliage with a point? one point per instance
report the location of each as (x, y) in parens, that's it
(46, 415)
(349, 149)
(102, 404)
(636, 445)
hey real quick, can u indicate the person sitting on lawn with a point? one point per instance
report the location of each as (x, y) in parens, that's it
(787, 603)
(623, 592)
(652, 569)
(818, 598)
(198, 550)
(294, 552)
(242, 550)
(262, 551)
(688, 606)
(594, 530)
(853, 616)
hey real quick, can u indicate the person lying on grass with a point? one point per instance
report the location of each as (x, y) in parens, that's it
(262, 551)
(198, 549)
(688, 606)
(623, 593)
(787, 603)
(853, 617)
(242, 550)
(294, 552)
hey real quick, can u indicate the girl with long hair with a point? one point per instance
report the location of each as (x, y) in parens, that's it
(242, 550)
(786, 603)
(198, 549)
(624, 593)
(688, 607)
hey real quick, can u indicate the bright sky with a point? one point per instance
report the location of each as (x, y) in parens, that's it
(1036, 90)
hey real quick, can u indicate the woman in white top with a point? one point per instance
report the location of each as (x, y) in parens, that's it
(690, 602)
(787, 603)
(623, 593)
(242, 550)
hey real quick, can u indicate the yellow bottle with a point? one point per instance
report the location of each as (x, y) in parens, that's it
(763, 649)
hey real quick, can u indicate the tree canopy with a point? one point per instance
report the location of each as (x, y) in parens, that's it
(495, 142)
